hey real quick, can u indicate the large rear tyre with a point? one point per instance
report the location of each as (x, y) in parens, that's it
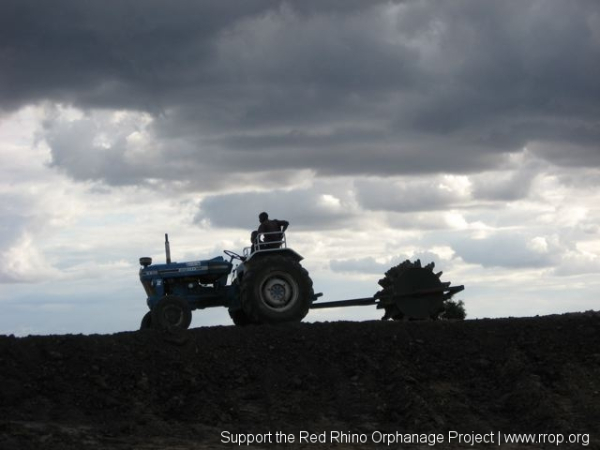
(276, 289)
(239, 317)
(171, 312)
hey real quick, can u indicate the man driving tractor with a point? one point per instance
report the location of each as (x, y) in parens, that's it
(271, 231)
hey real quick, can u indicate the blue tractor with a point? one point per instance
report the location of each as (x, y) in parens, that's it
(268, 285)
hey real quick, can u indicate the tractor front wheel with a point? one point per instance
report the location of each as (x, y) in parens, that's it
(171, 312)
(276, 289)
(146, 321)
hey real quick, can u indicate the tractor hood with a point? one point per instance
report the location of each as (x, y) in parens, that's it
(207, 271)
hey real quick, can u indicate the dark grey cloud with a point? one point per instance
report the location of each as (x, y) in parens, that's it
(569, 154)
(122, 54)
(337, 87)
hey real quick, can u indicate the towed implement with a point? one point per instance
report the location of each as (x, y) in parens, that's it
(269, 285)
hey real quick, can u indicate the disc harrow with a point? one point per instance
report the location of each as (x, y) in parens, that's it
(409, 291)
(412, 291)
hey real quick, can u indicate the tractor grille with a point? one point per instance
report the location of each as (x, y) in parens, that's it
(150, 291)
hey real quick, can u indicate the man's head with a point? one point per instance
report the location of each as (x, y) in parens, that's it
(262, 217)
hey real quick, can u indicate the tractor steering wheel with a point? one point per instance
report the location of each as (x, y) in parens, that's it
(233, 255)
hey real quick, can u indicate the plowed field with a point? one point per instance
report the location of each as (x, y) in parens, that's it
(336, 383)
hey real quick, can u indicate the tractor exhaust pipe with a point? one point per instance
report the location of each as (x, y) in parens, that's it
(167, 249)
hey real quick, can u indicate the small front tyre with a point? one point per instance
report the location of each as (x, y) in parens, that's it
(171, 312)
(146, 321)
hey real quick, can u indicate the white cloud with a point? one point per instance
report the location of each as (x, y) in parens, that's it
(24, 263)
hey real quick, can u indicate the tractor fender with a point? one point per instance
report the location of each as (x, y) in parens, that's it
(258, 255)
(286, 252)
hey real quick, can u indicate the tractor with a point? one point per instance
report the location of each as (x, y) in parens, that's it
(268, 285)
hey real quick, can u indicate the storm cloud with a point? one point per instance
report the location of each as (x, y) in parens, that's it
(379, 88)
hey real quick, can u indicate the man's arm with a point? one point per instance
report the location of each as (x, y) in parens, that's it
(283, 224)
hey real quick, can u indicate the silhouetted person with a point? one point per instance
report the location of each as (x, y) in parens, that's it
(274, 226)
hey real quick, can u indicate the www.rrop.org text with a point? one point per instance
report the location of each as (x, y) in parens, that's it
(398, 438)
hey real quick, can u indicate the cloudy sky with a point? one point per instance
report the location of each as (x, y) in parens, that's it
(465, 133)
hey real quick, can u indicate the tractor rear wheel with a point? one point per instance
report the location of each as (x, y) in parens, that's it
(171, 312)
(239, 317)
(276, 289)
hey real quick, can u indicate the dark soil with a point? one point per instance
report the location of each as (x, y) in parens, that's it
(166, 390)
